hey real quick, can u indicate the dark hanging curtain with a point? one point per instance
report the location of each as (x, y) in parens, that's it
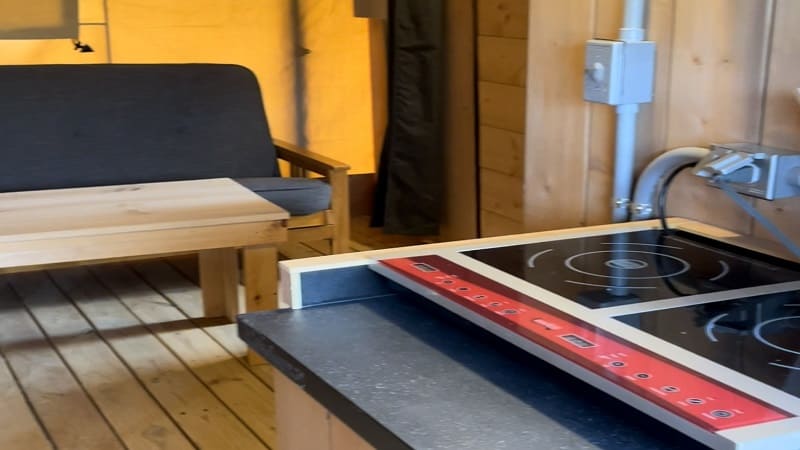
(408, 197)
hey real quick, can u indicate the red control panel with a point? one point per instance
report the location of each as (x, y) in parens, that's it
(678, 389)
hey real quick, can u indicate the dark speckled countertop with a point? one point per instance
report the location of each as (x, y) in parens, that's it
(404, 374)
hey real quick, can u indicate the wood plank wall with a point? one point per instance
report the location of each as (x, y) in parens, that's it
(459, 218)
(725, 73)
(502, 43)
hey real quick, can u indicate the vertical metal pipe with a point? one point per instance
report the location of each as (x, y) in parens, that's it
(625, 148)
(624, 153)
(633, 20)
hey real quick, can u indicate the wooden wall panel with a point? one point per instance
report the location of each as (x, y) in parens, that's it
(502, 151)
(496, 225)
(717, 81)
(782, 111)
(501, 195)
(502, 106)
(507, 18)
(557, 121)
(502, 60)
(716, 94)
(725, 73)
(460, 219)
(601, 165)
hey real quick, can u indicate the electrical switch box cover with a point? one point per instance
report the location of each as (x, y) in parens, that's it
(619, 72)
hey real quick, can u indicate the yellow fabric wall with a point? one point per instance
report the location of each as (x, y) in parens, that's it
(333, 104)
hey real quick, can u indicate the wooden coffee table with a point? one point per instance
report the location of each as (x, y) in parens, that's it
(215, 217)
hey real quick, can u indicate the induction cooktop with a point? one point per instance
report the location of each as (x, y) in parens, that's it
(758, 336)
(631, 267)
(699, 334)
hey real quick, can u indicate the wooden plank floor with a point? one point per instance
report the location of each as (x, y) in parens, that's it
(117, 356)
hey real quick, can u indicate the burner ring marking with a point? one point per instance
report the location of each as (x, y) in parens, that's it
(532, 259)
(684, 265)
(710, 326)
(784, 366)
(757, 334)
(725, 269)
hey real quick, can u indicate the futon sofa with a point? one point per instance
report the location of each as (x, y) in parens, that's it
(67, 126)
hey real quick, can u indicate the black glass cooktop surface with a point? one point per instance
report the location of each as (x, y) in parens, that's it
(630, 267)
(757, 336)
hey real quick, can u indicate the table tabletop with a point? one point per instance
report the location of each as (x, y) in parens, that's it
(91, 211)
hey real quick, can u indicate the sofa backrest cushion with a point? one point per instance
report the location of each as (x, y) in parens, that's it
(100, 124)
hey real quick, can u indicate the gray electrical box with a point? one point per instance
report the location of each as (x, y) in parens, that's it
(755, 170)
(619, 72)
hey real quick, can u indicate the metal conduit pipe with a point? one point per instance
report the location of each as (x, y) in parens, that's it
(625, 147)
(647, 187)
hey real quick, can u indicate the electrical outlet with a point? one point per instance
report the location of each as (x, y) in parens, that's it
(764, 172)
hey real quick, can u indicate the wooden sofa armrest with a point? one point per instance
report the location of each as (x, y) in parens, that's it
(336, 173)
(307, 159)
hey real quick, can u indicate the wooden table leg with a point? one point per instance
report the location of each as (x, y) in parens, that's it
(219, 279)
(260, 284)
(261, 278)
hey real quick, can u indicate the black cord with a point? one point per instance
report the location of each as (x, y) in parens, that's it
(662, 195)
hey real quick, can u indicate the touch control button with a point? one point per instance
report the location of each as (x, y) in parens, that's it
(642, 375)
(509, 311)
(479, 297)
(695, 401)
(669, 389)
(616, 364)
(495, 304)
(462, 288)
(721, 414)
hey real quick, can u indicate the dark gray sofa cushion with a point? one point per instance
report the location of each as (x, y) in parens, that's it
(67, 126)
(299, 196)
(100, 124)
